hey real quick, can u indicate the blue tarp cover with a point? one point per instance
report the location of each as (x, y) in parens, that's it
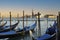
(45, 36)
(8, 33)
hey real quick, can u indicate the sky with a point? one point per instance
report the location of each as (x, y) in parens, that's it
(17, 6)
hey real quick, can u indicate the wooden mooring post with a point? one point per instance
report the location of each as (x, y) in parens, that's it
(39, 21)
(38, 24)
(39, 27)
(23, 25)
(10, 20)
(58, 26)
(23, 20)
(0, 17)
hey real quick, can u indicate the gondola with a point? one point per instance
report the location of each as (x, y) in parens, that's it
(1, 25)
(14, 33)
(1, 20)
(26, 29)
(7, 28)
(50, 33)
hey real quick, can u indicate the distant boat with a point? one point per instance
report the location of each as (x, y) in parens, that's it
(50, 33)
(7, 28)
(13, 33)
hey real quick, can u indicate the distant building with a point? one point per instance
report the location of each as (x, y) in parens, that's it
(49, 16)
(32, 14)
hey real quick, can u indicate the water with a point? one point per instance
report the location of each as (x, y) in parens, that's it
(28, 36)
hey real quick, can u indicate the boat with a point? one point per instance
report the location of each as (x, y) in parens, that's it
(26, 29)
(7, 28)
(8, 34)
(50, 33)
(1, 20)
(52, 29)
(14, 33)
(3, 24)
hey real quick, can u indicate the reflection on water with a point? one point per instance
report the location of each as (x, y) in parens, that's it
(28, 36)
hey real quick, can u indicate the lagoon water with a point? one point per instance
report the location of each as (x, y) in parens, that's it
(27, 36)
